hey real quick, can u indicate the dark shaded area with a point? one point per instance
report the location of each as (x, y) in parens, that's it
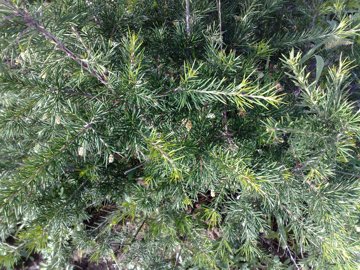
(31, 263)
(86, 264)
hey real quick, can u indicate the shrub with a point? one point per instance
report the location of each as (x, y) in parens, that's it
(171, 134)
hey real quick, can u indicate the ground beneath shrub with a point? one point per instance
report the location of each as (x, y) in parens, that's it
(34, 262)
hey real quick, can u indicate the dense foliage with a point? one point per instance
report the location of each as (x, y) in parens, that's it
(169, 134)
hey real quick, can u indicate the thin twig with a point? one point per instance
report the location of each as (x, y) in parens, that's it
(134, 168)
(292, 258)
(218, 4)
(187, 11)
(138, 231)
(33, 23)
